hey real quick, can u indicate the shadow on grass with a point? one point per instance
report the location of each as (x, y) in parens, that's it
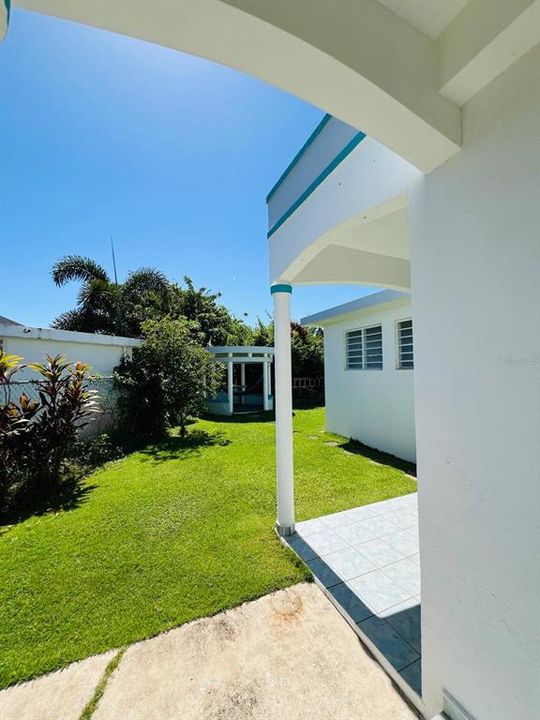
(357, 448)
(256, 417)
(178, 448)
(71, 495)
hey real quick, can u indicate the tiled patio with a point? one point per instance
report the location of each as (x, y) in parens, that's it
(367, 561)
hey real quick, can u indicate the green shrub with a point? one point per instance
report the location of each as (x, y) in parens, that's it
(166, 381)
(91, 454)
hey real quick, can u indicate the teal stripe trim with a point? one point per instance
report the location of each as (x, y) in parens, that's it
(320, 127)
(281, 288)
(357, 139)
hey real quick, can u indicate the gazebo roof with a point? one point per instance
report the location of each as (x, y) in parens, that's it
(242, 353)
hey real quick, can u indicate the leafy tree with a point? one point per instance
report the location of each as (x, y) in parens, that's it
(107, 307)
(307, 347)
(167, 380)
(307, 351)
(263, 334)
(146, 294)
(215, 324)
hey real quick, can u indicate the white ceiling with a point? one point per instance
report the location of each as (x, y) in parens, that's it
(429, 16)
(388, 235)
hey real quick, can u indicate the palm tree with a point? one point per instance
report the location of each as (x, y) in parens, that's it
(106, 307)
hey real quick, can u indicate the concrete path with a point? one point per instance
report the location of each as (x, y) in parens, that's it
(62, 695)
(289, 654)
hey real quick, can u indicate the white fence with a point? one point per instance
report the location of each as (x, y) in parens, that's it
(307, 383)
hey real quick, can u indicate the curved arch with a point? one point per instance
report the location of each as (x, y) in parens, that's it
(337, 61)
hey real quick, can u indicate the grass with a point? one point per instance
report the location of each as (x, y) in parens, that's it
(167, 535)
(90, 709)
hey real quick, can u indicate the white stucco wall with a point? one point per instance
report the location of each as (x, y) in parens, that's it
(373, 406)
(475, 226)
(102, 353)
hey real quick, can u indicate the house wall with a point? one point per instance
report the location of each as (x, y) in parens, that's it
(373, 406)
(475, 233)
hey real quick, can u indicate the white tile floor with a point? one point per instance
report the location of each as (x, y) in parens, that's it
(367, 560)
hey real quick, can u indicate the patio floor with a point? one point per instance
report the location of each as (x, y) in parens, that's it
(366, 559)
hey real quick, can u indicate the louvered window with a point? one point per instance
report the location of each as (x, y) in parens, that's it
(405, 345)
(364, 349)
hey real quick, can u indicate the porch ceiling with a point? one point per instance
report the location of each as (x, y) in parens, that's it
(385, 236)
(345, 265)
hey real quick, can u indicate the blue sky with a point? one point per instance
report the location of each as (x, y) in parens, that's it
(170, 154)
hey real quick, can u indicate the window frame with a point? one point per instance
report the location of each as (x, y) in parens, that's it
(363, 329)
(397, 342)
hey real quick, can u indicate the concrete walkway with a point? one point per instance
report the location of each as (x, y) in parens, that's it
(288, 654)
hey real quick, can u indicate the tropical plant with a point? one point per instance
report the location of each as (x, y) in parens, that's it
(107, 307)
(98, 298)
(35, 435)
(166, 381)
(67, 404)
(14, 424)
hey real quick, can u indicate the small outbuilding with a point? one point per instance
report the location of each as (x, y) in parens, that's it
(248, 388)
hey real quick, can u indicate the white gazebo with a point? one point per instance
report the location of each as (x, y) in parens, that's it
(239, 397)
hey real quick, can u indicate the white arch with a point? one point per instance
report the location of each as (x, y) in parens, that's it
(365, 65)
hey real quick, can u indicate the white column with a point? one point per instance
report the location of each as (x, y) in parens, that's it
(242, 381)
(230, 368)
(283, 406)
(265, 385)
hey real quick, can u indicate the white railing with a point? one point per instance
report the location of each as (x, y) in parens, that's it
(307, 383)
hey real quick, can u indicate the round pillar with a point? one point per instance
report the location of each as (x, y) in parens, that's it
(283, 406)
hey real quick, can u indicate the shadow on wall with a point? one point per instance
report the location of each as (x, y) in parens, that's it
(377, 456)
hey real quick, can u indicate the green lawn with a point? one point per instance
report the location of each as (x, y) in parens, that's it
(167, 535)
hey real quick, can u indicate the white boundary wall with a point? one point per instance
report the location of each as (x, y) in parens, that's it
(101, 352)
(375, 407)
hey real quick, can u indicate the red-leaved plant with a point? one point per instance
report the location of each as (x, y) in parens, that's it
(35, 436)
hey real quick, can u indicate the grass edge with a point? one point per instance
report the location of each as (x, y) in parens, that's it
(91, 706)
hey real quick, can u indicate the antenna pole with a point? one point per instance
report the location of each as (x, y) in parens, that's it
(114, 262)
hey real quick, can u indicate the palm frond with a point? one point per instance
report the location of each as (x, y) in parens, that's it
(146, 279)
(77, 267)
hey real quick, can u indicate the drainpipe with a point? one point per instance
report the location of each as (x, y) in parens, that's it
(283, 405)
